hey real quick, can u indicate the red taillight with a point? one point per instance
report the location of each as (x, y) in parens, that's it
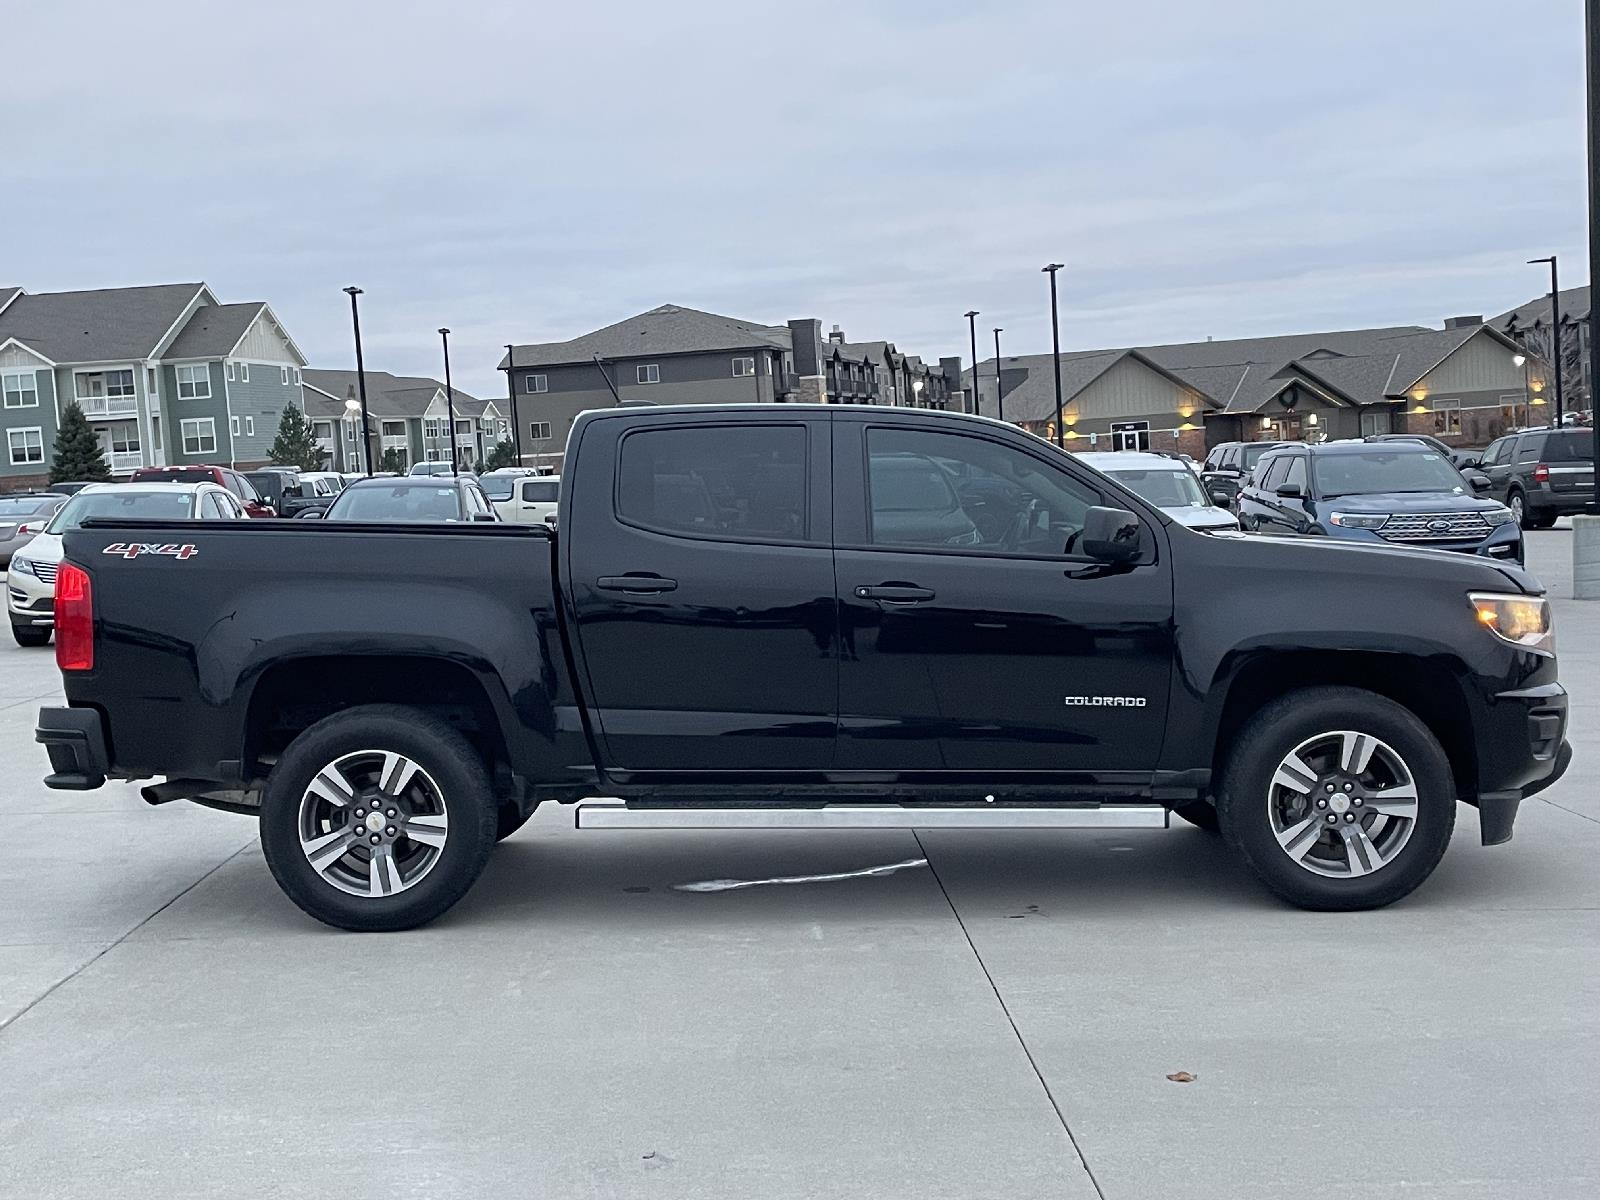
(74, 619)
(1541, 473)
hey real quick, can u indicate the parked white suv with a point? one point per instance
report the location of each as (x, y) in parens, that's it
(1171, 484)
(31, 577)
(521, 497)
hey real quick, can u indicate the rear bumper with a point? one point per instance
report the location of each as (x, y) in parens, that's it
(75, 739)
(1563, 503)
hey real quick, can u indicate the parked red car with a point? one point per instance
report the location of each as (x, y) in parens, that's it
(222, 476)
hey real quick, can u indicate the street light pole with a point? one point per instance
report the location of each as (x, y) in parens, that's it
(1055, 342)
(1592, 36)
(449, 398)
(972, 324)
(511, 395)
(361, 378)
(999, 398)
(1555, 325)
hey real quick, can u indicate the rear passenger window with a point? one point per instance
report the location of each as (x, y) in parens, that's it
(1528, 448)
(742, 481)
(1271, 473)
(1297, 471)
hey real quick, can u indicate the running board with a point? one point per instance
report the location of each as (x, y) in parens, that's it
(615, 814)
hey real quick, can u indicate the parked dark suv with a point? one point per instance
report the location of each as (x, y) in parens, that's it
(1402, 492)
(1229, 464)
(289, 493)
(1541, 474)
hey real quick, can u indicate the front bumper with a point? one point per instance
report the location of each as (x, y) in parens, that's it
(75, 739)
(29, 600)
(1522, 749)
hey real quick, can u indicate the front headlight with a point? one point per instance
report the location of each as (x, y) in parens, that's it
(1497, 516)
(1524, 621)
(1359, 520)
(22, 566)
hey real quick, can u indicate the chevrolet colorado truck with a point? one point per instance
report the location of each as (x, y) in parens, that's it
(793, 616)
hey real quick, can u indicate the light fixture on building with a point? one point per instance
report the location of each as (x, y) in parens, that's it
(1266, 422)
(1518, 359)
(1311, 420)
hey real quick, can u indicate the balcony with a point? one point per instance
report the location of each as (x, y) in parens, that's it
(125, 462)
(99, 408)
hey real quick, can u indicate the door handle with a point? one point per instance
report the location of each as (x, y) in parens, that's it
(636, 585)
(895, 593)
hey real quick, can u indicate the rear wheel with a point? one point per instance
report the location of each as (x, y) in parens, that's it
(377, 818)
(31, 635)
(1519, 508)
(1338, 799)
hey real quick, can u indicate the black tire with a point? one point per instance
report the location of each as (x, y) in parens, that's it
(1518, 504)
(1200, 814)
(508, 819)
(464, 791)
(1245, 801)
(31, 635)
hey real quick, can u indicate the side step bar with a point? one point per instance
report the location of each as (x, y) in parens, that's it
(615, 814)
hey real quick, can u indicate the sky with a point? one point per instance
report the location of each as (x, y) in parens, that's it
(526, 172)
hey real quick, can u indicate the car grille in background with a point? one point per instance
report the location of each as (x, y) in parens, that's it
(46, 572)
(1434, 527)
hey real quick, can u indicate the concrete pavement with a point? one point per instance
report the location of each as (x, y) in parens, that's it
(998, 1023)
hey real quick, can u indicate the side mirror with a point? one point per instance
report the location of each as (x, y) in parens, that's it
(1290, 491)
(1221, 496)
(1111, 535)
(483, 516)
(310, 514)
(1479, 481)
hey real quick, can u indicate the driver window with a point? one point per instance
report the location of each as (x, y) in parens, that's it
(948, 490)
(1297, 471)
(1272, 474)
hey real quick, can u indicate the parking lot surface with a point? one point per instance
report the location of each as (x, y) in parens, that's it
(1001, 1021)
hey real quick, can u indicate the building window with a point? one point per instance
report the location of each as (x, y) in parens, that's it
(1130, 435)
(648, 372)
(392, 430)
(125, 437)
(199, 435)
(535, 383)
(322, 430)
(150, 382)
(539, 431)
(1375, 421)
(1446, 416)
(26, 445)
(249, 427)
(284, 372)
(233, 426)
(244, 372)
(155, 431)
(743, 366)
(463, 429)
(194, 381)
(21, 389)
(230, 372)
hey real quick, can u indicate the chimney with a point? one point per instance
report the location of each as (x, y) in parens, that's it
(1462, 322)
(836, 336)
(806, 335)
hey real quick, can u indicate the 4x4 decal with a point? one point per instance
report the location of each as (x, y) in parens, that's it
(135, 549)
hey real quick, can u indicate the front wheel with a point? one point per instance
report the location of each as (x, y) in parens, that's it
(1519, 509)
(378, 818)
(31, 635)
(1339, 799)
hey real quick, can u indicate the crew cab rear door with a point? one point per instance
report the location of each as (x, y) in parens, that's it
(975, 636)
(699, 567)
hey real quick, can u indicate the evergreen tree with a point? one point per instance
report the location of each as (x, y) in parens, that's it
(393, 460)
(77, 450)
(296, 444)
(478, 468)
(504, 454)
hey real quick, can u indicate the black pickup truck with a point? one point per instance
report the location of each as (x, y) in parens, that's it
(795, 616)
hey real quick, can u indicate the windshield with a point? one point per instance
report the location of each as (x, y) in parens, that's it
(25, 506)
(401, 503)
(164, 506)
(1571, 445)
(1371, 471)
(1163, 488)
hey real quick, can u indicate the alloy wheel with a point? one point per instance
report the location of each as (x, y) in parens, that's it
(1342, 804)
(373, 823)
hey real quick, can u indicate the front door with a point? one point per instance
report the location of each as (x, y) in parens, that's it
(975, 636)
(701, 571)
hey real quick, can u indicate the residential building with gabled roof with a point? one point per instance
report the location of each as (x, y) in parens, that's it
(165, 374)
(409, 419)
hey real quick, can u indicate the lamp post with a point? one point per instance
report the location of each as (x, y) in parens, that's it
(1591, 23)
(1555, 326)
(449, 398)
(1055, 343)
(1521, 360)
(999, 399)
(361, 378)
(972, 324)
(511, 395)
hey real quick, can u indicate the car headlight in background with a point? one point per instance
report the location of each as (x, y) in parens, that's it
(1524, 621)
(1497, 516)
(22, 566)
(1358, 520)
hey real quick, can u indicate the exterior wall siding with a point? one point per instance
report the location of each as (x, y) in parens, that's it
(1132, 390)
(178, 409)
(42, 417)
(263, 398)
(264, 342)
(1479, 365)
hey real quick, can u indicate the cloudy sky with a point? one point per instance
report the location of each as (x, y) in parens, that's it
(530, 171)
